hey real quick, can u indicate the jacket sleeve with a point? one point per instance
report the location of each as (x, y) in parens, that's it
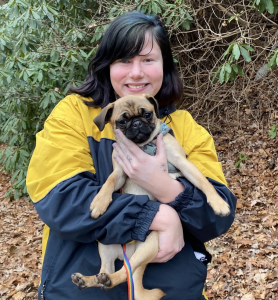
(62, 183)
(196, 215)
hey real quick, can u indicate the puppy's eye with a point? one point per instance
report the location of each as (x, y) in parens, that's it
(122, 122)
(148, 115)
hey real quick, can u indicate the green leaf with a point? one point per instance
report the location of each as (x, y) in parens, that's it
(50, 16)
(2, 41)
(36, 15)
(248, 47)
(74, 58)
(228, 68)
(40, 76)
(236, 51)
(216, 73)
(14, 175)
(272, 62)
(24, 153)
(83, 53)
(16, 195)
(245, 54)
(226, 77)
(240, 71)
(53, 11)
(235, 68)
(154, 7)
(186, 25)
(232, 75)
(222, 74)
(273, 132)
(231, 19)
(237, 164)
(269, 6)
(227, 51)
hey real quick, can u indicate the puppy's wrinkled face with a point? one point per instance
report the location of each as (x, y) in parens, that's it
(135, 116)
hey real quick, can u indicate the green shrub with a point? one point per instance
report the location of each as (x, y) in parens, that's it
(45, 47)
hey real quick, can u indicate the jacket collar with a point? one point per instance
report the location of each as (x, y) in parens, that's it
(166, 110)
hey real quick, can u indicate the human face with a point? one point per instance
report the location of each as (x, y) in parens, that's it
(142, 74)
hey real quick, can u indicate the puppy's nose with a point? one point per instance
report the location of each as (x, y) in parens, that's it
(136, 124)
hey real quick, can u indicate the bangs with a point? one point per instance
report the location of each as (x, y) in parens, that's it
(130, 42)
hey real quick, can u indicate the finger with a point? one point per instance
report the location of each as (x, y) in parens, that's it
(124, 142)
(161, 152)
(120, 137)
(124, 159)
(123, 152)
(120, 162)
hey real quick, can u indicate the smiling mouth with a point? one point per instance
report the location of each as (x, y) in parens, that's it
(136, 86)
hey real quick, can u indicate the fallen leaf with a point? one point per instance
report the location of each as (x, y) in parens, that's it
(19, 296)
(248, 297)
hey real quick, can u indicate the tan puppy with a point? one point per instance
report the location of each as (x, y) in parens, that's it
(136, 117)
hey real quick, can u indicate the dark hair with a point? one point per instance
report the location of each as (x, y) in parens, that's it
(125, 38)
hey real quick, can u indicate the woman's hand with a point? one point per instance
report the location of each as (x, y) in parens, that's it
(170, 233)
(149, 172)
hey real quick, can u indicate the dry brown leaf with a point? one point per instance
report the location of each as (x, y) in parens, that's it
(3, 289)
(248, 297)
(19, 296)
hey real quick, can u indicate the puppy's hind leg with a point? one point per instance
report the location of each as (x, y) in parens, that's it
(108, 255)
(140, 292)
(145, 253)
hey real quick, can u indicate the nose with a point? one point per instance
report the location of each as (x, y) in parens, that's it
(136, 124)
(136, 70)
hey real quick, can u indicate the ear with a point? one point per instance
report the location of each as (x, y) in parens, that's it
(154, 103)
(104, 116)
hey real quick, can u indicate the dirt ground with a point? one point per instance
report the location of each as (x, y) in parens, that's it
(245, 259)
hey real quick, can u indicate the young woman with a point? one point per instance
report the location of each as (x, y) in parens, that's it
(72, 160)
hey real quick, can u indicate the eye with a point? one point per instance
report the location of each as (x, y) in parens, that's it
(122, 122)
(124, 60)
(148, 115)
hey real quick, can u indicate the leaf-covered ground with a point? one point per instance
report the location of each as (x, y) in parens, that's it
(245, 259)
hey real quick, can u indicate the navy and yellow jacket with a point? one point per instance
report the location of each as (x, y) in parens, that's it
(70, 163)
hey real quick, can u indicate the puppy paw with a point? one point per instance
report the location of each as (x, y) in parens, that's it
(220, 207)
(99, 206)
(97, 210)
(78, 280)
(103, 280)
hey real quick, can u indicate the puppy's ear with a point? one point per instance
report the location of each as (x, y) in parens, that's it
(104, 116)
(154, 103)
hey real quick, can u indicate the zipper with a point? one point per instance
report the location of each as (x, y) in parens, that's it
(42, 291)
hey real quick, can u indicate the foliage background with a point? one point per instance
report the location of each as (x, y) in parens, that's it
(223, 49)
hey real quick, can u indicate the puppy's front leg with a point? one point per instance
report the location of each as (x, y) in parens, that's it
(176, 156)
(113, 183)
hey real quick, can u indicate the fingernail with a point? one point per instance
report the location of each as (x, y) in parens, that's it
(117, 131)
(114, 145)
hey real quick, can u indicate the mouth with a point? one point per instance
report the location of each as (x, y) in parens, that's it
(140, 138)
(137, 87)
